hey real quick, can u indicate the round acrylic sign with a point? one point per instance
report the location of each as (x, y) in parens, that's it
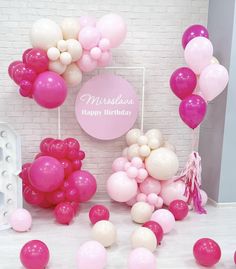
(106, 106)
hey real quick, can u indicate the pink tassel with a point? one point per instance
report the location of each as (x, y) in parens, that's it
(191, 176)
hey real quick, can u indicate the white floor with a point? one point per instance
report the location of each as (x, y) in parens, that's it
(175, 251)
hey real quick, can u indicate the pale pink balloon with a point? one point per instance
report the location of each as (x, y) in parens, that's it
(159, 203)
(119, 164)
(142, 175)
(173, 191)
(141, 197)
(120, 187)
(165, 218)
(150, 185)
(141, 258)
(198, 54)
(132, 172)
(104, 44)
(21, 220)
(87, 21)
(89, 37)
(204, 197)
(95, 53)
(112, 27)
(133, 200)
(152, 199)
(86, 63)
(213, 80)
(105, 59)
(137, 162)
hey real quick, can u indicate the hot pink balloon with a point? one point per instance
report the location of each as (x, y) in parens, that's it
(192, 110)
(56, 197)
(97, 213)
(183, 82)
(25, 54)
(105, 59)
(22, 72)
(112, 27)
(76, 164)
(72, 143)
(58, 149)
(155, 228)
(179, 209)
(87, 21)
(89, 37)
(12, 66)
(150, 185)
(68, 166)
(34, 255)
(46, 174)
(32, 196)
(37, 59)
(213, 80)
(85, 183)
(192, 32)
(49, 90)
(64, 213)
(44, 145)
(86, 63)
(198, 54)
(26, 88)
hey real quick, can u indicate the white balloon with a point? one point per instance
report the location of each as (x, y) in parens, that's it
(214, 60)
(133, 151)
(142, 140)
(45, 34)
(65, 58)
(62, 45)
(75, 49)
(144, 237)
(155, 133)
(53, 53)
(132, 136)
(72, 75)
(57, 66)
(141, 212)
(154, 143)
(162, 164)
(144, 151)
(70, 28)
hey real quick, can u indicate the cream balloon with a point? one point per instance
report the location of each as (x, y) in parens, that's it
(72, 75)
(155, 133)
(57, 66)
(154, 143)
(53, 53)
(144, 151)
(214, 60)
(65, 58)
(162, 164)
(142, 140)
(133, 151)
(62, 45)
(45, 34)
(125, 152)
(141, 212)
(170, 146)
(75, 49)
(70, 28)
(132, 136)
(143, 237)
(104, 232)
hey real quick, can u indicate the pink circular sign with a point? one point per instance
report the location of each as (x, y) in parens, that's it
(106, 106)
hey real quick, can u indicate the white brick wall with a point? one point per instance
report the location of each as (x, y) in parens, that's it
(154, 41)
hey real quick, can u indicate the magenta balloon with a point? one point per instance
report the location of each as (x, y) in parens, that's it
(25, 54)
(34, 255)
(33, 197)
(64, 213)
(46, 174)
(22, 72)
(44, 145)
(192, 32)
(37, 59)
(49, 90)
(183, 82)
(192, 110)
(12, 66)
(85, 183)
(58, 149)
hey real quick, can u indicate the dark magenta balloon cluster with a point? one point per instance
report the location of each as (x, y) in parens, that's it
(55, 178)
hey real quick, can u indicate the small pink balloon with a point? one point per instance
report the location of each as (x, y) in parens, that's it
(21, 220)
(118, 164)
(68, 167)
(165, 218)
(97, 213)
(72, 144)
(25, 54)
(159, 203)
(152, 199)
(26, 88)
(95, 53)
(38, 60)
(105, 59)
(87, 21)
(76, 164)
(133, 200)
(22, 72)
(141, 197)
(58, 149)
(89, 37)
(137, 162)
(179, 209)
(11, 68)
(141, 258)
(104, 44)
(91, 255)
(64, 213)
(56, 197)
(132, 172)
(34, 255)
(127, 165)
(86, 63)
(142, 175)
(72, 195)
(150, 185)
(44, 145)
(32, 196)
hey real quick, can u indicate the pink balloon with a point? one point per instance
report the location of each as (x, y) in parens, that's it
(95, 53)
(204, 197)
(58, 149)
(86, 63)
(112, 27)
(89, 37)
(165, 218)
(81, 155)
(97, 213)
(46, 174)
(22, 72)
(25, 54)
(34, 255)
(213, 80)
(141, 258)
(44, 145)
(192, 110)
(64, 213)
(119, 164)
(49, 90)
(56, 197)
(76, 164)
(33, 197)
(192, 32)
(207, 252)
(21, 220)
(150, 185)
(68, 167)
(105, 59)
(198, 54)
(173, 191)
(91, 255)
(104, 44)
(141, 197)
(179, 209)
(37, 59)
(11, 68)
(85, 183)
(72, 143)
(26, 88)
(72, 195)
(87, 21)
(183, 82)
(120, 187)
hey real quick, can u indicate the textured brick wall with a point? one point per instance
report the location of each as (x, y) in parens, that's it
(153, 41)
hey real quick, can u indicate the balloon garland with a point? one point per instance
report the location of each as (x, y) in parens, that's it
(60, 55)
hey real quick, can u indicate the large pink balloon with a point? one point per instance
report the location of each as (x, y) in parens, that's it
(192, 110)
(213, 80)
(49, 90)
(112, 27)
(150, 185)
(173, 191)
(85, 183)
(198, 54)
(89, 37)
(192, 32)
(46, 174)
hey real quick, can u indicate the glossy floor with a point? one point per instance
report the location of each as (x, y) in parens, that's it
(175, 251)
